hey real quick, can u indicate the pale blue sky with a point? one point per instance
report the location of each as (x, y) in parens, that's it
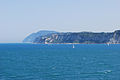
(21, 17)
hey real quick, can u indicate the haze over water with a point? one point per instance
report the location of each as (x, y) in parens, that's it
(59, 62)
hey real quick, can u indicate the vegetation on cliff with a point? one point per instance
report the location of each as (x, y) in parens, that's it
(79, 37)
(31, 38)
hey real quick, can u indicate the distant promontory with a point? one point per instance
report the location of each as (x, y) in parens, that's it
(53, 37)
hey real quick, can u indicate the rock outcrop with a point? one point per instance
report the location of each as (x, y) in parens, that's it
(80, 37)
(31, 38)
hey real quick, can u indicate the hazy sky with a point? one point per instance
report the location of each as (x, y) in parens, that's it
(18, 18)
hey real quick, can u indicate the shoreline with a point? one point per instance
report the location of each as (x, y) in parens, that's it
(61, 43)
(74, 43)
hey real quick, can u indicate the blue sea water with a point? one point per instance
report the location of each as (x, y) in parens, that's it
(59, 62)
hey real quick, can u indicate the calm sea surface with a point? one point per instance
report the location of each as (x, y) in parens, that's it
(59, 62)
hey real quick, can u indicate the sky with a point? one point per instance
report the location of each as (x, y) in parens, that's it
(19, 18)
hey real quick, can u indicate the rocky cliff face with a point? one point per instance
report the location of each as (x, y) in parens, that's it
(31, 38)
(80, 37)
(116, 37)
(83, 37)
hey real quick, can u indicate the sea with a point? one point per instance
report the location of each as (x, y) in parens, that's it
(20, 61)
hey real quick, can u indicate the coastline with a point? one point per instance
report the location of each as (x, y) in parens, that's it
(74, 43)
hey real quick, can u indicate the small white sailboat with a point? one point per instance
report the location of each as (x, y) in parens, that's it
(108, 44)
(73, 46)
